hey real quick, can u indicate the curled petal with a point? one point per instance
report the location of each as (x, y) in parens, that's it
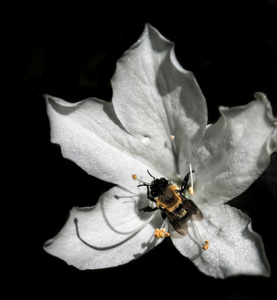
(109, 234)
(235, 151)
(234, 248)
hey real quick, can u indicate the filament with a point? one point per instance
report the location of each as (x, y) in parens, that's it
(131, 233)
(136, 229)
(165, 224)
(204, 243)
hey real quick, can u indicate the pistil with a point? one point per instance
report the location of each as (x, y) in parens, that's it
(172, 138)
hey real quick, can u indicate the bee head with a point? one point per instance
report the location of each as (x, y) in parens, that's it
(157, 186)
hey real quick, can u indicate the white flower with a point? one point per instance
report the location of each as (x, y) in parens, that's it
(154, 98)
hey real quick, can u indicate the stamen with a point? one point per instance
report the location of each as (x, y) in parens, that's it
(138, 228)
(191, 190)
(205, 244)
(135, 177)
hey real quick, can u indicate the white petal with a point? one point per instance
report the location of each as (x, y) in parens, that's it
(90, 134)
(105, 235)
(235, 152)
(154, 97)
(234, 248)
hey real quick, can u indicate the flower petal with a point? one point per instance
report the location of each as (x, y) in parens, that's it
(90, 134)
(154, 97)
(105, 235)
(235, 151)
(234, 247)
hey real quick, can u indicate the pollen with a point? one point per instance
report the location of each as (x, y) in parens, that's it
(161, 233)
(134, 176)
(206, 246)
(191, 190)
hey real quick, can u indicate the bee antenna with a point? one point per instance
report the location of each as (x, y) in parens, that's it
(151, 175)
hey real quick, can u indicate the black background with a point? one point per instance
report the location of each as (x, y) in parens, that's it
(70, 51)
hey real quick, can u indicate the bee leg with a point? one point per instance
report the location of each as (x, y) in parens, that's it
(148, 209)
(185, 182)
(148, 195)
(163, 214)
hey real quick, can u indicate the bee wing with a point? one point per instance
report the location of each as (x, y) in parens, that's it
(192, 213)
(191, 207)
(179, 224)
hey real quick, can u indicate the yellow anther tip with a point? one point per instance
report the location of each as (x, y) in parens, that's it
(134, 176)
(191, 190)
(206, 247)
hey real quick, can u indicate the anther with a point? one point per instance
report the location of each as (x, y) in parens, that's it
(161, 233)
(206, 246)
(191, 190)
(134, 176)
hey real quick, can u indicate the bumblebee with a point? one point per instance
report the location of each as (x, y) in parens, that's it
(172, 202)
